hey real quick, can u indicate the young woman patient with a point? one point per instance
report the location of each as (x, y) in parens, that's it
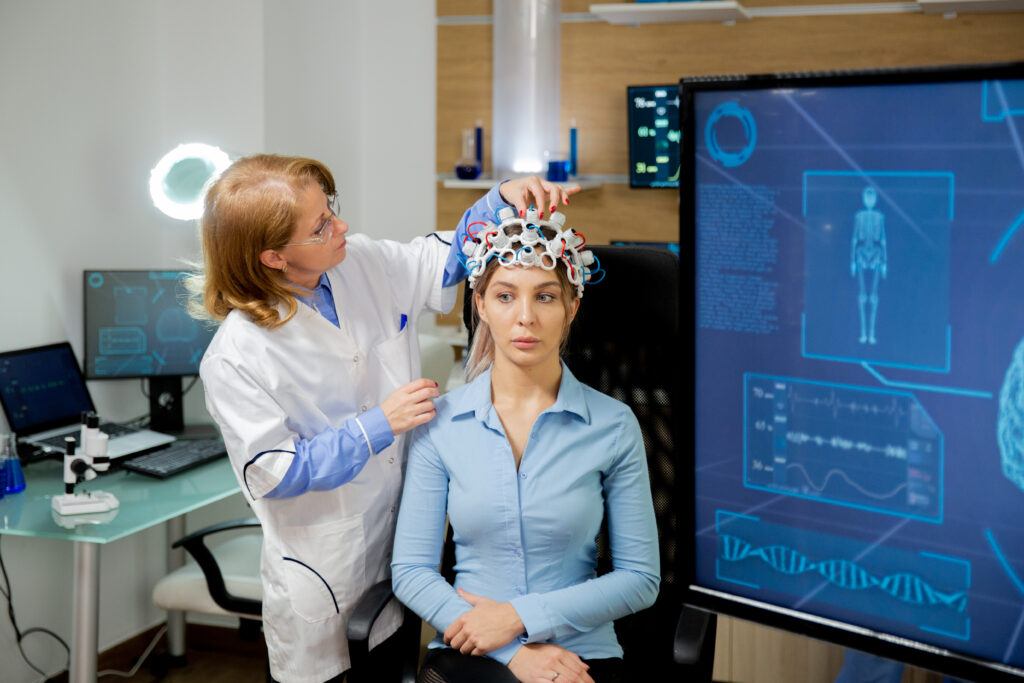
(525, 461)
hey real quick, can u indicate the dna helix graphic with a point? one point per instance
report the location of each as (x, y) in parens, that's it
(906, 587)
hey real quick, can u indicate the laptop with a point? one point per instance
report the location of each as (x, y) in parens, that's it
(43, 394)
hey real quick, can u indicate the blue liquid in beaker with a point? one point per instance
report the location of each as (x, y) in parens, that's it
(558, 170)
(14, 477)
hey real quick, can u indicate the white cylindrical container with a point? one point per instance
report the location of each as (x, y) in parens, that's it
(527, 67)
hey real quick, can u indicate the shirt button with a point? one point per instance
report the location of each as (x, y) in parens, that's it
(391, 460)
(522, 475)
(393, 509)
(519, 553)
(362, 408)
(355, 358)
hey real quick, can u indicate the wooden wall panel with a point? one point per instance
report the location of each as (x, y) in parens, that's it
(464, 59)
(448, 8)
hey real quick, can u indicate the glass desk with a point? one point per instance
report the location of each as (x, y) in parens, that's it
(144, 502)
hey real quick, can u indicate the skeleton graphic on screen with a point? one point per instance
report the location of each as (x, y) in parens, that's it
(868, 253)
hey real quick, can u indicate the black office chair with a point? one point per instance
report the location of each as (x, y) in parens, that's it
(626, 343)
(229, 571)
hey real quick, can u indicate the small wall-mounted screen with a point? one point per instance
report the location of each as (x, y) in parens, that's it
(653, 135)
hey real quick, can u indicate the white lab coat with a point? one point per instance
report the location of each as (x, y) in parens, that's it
(268, 388)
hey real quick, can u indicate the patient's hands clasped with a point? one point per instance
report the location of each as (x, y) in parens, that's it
(486, 627)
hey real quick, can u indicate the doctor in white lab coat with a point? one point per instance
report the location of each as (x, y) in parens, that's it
(313, 381)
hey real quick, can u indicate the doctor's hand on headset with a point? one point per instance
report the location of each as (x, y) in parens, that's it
(410, 405)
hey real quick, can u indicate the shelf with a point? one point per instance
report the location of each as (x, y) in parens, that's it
(488, 183)
(730, 12)
(654, 12)
(969, 6)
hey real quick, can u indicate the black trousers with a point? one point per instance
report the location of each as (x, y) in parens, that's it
(444, 665)
(383, 664)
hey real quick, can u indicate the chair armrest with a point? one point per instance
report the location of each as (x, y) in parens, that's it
(367, 609)
(691, 633)
(194, 544)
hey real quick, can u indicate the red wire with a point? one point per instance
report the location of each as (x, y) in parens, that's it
(471, 234)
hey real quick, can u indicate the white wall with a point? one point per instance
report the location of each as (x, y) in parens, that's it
(91, 94)
(354, 84)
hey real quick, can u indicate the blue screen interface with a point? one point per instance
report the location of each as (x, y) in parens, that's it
(136, 325)
(860, 356)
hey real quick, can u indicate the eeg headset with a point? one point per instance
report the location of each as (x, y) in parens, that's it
(530, 247)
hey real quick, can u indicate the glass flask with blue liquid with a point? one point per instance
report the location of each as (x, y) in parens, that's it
(12, 479)
(468, 167)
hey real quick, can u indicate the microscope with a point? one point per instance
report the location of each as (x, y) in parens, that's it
(83, 467)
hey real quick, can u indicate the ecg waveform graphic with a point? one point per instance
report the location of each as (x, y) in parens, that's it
(909, 588)
(792, 565)
(866, 448)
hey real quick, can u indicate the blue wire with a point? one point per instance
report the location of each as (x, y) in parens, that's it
(596, 271)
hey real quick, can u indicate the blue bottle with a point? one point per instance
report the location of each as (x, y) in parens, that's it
(573, 171)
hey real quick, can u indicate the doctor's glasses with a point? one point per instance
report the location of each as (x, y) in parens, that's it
(326, 230)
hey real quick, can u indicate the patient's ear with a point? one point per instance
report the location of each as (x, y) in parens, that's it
(478, 303)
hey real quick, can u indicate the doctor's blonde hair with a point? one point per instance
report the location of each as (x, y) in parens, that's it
(251, 207)
(481, 349)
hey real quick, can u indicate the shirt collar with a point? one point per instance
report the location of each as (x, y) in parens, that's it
(325, 283)
(310, 294)
(476, 398)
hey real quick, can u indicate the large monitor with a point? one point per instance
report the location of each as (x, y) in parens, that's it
(857, 311)
(136, 325)
(653, 115)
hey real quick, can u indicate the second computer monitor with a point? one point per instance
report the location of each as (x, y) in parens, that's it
(136, 325)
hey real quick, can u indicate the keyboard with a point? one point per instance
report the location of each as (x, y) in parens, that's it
(181, 455)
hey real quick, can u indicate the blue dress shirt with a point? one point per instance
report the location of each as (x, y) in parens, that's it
(527, 536)
(321, 300)
(335, 456)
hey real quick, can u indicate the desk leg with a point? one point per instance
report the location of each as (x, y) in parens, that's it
(175, 618)
(85, 613)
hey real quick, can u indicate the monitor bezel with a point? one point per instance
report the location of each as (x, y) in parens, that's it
(629, 138)
(86, 349)
(915, 653)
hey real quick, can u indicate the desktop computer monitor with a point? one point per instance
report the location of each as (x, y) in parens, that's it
(653, 115)
(136, 325)
(855, 306)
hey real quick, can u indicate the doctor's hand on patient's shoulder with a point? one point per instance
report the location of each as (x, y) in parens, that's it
(539, 662)
(411, 405)
(533, 191)
(488, 626)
